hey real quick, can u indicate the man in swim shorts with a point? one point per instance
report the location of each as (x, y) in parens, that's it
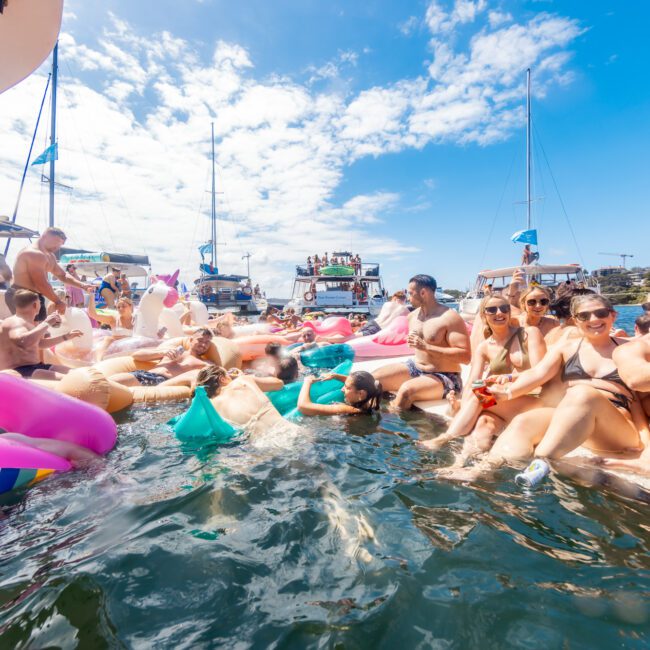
(31, 267)
(440, 343)
(174, 366)
(22, 339)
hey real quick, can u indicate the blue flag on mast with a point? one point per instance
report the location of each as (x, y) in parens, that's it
(205, 249)
(51, 153)
(525, 237)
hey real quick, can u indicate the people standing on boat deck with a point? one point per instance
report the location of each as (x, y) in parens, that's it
(109, 289)
(125, 287)
(439, 339)
(22, 339)
(527, 256)
(325, 260)
(31, 267)
(74, 295)
(310, 266)
(174, 366)
(5, 273)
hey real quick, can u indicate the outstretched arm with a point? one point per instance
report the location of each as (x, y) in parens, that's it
(307, 407)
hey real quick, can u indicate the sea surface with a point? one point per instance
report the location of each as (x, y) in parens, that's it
(336, 534)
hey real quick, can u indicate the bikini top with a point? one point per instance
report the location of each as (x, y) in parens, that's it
(501, 364)
(573, 369)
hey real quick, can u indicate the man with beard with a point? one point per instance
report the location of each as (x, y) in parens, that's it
(31, 267)
(440, 342)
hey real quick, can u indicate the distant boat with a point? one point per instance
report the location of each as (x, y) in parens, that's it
(342, 288)
(224, 292)
(548, 275)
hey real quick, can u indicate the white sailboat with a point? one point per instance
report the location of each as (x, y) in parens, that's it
(220, 291)
(548, 275)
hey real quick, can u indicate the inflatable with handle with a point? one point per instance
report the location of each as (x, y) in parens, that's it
(286, 399)
(170, 320)
(331, 326)
(389, 342)
(33, 410)
(201, 422)
(149, 309)
(326, 356)
(199, 313)
(22, 465)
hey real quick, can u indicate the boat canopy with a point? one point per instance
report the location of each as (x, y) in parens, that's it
(13, 230)
(101, 262)
(533, 269)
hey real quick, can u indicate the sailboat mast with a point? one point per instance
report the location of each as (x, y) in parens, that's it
(213, 215)
(528, 150)
(55, 70)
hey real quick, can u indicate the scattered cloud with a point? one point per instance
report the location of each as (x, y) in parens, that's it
(134, 125)
(409, 26)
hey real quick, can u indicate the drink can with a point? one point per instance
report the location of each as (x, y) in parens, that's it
(533, 475)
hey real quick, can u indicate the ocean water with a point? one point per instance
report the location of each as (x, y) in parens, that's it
(337, 535)
(627, 314)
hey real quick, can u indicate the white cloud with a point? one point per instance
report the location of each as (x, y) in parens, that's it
(134, 125)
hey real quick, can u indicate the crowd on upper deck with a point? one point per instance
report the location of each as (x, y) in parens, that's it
(316, 263)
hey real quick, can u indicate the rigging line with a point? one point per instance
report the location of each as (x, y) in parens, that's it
(496, 214)
(540, 213)
(92, 178)
(566, 216)
(196, 220)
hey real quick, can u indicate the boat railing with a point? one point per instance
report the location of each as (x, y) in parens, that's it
(367, 270)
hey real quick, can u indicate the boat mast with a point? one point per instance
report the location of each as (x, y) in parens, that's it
(213, 216)
(528, 148)
(55, 70)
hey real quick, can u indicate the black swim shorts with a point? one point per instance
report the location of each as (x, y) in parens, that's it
(449, 380)
(146, 378)
(28, 370)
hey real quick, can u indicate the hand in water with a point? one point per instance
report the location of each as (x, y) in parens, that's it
(54, 319)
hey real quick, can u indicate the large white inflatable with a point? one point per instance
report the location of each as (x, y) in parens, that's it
(149, 310)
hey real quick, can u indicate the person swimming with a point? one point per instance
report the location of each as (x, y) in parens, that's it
(361, 391)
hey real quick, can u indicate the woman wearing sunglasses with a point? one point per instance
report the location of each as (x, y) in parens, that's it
(598, 410)
(534, 303)
(506, 350)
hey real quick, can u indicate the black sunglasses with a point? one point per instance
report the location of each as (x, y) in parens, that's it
(504, 309)
(544, 302)
(583, 316)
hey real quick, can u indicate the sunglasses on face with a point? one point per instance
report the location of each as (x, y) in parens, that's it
(543, 302)
(584, 316)
(504, 309)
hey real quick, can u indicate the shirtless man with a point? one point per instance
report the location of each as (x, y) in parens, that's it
(175, 366)
(439, 338)
(22, 339)
(31, 267)
(5, 273)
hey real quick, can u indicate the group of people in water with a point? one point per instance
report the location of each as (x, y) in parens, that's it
(549, 373)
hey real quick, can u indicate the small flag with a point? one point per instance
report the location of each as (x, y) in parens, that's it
(525, 237)
(205, 249)
(51, 153)
(184, 287)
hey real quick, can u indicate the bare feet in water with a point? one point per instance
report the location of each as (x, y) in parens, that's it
(454, 403)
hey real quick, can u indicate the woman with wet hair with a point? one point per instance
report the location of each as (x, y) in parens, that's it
(361, 392)
(598, 410)
(534, 303)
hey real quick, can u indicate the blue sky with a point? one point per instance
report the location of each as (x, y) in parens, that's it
(392, 128)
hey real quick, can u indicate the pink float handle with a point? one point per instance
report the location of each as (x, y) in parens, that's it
(39, 412)
(16, 455)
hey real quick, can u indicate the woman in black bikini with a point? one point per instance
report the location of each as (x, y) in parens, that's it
(597, 410)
